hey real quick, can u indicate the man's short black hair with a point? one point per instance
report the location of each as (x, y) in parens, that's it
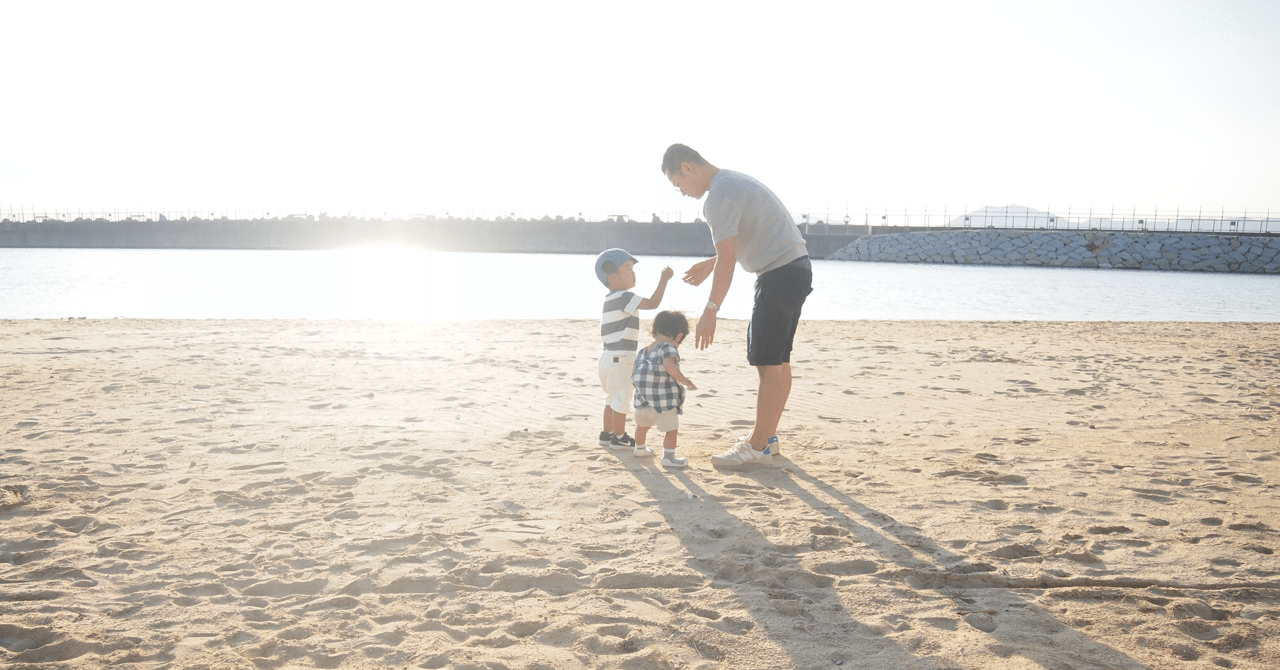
(670, 324)
(677, 154)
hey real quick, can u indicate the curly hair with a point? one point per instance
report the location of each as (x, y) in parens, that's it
(670, 324)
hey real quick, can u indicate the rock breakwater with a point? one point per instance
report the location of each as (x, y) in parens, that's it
(1196, 252)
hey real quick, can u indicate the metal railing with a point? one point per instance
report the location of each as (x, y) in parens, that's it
(28, 213)
(852, 221)
(1173, 219)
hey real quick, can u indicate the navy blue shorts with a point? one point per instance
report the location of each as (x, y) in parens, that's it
(780, 294)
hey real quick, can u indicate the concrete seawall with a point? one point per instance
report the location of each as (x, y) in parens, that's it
(1201, 252)
(1054, 248)
(547, 236)
(440, 234)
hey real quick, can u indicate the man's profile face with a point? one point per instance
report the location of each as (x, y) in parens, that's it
(685, 182)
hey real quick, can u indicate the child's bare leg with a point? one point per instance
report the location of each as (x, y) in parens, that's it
(669, 458)
(641, 433)
(614, 421)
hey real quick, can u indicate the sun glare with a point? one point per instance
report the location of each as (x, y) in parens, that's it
(401, 283)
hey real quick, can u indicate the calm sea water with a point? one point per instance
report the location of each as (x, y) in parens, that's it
(419, 285)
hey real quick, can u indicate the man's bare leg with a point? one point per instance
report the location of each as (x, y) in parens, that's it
(771, 400)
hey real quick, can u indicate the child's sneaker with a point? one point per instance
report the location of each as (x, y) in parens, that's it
(742, 454)
(623, 441)
(606, 438)
(642, 451)
(673, 462)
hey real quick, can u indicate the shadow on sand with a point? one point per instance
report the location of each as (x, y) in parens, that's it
(806, 613)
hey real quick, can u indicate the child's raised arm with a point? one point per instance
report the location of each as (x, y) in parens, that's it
(654, 300)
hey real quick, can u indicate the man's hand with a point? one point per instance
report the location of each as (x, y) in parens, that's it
(705, 333)
(699, 272)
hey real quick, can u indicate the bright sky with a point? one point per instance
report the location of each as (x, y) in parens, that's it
(560, 107)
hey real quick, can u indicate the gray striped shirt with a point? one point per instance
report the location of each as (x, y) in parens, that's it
(620, 322)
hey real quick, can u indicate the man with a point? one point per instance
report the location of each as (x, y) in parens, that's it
(749, 225)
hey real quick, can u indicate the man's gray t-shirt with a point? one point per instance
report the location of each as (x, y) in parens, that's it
(738, 205)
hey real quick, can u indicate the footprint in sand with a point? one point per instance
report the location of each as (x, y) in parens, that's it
(730, 625)
(970, 568)
(74, 524)
(613, 639)
(1015, 551)
(1081, 556)
(846, 568)
(1155, 495)
(829, 538)
(11, 496)
(274, 588)
(256, 466)
(523, 629)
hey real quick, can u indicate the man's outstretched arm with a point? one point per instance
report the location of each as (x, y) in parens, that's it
(699, 272)
(725, 260)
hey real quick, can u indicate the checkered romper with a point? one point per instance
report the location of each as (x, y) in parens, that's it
(654, 387)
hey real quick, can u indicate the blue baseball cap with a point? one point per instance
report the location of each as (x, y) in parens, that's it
(608, 263)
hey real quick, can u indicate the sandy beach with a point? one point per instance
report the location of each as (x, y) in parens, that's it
(308, 494)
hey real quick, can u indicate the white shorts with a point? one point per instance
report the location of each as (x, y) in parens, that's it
(664, 422)
(615, 378)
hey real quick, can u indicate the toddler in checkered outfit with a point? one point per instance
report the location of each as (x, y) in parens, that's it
(659, 387)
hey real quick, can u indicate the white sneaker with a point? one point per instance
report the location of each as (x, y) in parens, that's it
(742, 454)
(641, 451)
(674, 462)
(774, 448)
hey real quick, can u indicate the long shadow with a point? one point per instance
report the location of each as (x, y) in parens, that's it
(902, 547)
(773, 586)
(769, 582)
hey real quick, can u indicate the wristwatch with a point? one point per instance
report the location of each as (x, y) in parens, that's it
(711, 305)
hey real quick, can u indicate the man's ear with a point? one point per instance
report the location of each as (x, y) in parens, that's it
(687, 169)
